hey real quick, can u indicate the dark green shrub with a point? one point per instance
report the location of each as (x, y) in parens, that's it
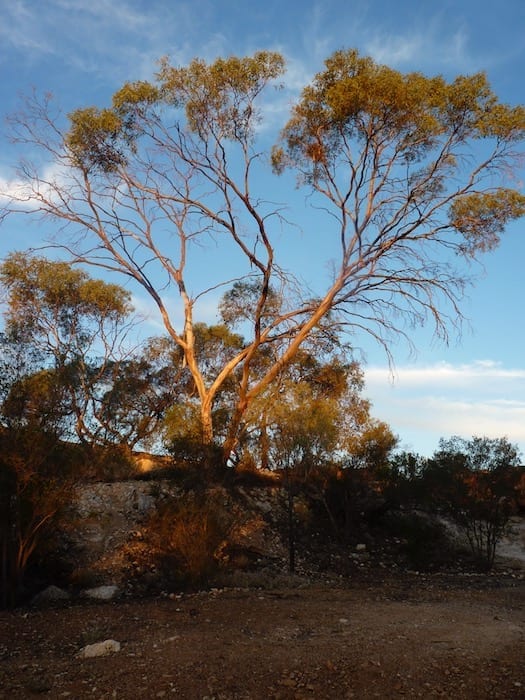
(426, 544)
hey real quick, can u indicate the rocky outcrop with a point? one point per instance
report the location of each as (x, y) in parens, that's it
(104, 533)
(112, 533)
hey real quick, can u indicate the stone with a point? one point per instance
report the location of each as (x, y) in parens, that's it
(108, 646)
(101, 593)
(51, 594)
(360, 548)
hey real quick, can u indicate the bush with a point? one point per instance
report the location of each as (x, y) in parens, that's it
(35, 484)
(473, 482)
(186, 537)
(426, 542)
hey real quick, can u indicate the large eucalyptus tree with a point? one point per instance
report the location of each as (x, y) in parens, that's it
(414, 174)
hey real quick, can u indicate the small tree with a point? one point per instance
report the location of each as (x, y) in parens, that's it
(303, 435)
(73, 323)
(473, 482)
(131, 396)
(316, 424)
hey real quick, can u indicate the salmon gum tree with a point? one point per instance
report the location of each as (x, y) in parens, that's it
(408, 175)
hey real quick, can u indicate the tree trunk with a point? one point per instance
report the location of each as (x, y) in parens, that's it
(291, 521)
(232, 437)
(206, 424)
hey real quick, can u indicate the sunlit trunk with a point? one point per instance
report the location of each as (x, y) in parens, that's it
(207, 425)
(232, 437)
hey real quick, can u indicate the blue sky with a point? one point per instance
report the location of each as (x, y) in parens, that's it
(83, 50)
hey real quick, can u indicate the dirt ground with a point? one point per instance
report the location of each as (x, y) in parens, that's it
(409, 636)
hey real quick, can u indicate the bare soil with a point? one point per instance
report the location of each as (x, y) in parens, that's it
(439, 636)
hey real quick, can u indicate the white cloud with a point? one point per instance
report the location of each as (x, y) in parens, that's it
(120, 14)
(431, 45)
(422, 404)
(99, 37)
(13, 189)
(445, 374)
(26, 194)
(395, 50)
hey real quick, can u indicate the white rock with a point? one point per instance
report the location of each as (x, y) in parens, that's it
(108, 646)
(360, 548)
(101, 592)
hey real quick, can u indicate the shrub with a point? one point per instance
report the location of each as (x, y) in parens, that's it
(186, 536)
(427, 544)
(473, 482)
(35, 484)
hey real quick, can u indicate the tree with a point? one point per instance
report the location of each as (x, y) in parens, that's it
(473, 482)
(35, 483)
(75, 326)
(131, 396)
(35, 466)
(312, 424)
(414, 174)
(315, 402)
(300, 434)
(216, 345)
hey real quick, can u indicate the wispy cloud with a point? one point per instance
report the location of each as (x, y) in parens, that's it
(395, 50)
(28, 193)
(424, 403)
(446, 374)
(99, 37)
(429, 46)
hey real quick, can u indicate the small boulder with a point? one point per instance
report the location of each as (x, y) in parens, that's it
(51, 594)
(101, 593)
(108, 646)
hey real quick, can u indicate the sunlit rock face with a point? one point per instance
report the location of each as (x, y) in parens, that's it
(105, 535)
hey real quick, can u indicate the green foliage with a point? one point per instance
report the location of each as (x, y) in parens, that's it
(481, 218)
(94, 140)
(216, 345)
(303, 428)
(137, 95)
(51, 302)
(370, 448)
(354, 97)
(137, 394)
(71, 327)
(217, 95)
(411, 119)
(220, 96)
(39, 400)
(240, 304)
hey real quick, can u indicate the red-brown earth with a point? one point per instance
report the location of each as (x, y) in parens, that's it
(405, 636)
